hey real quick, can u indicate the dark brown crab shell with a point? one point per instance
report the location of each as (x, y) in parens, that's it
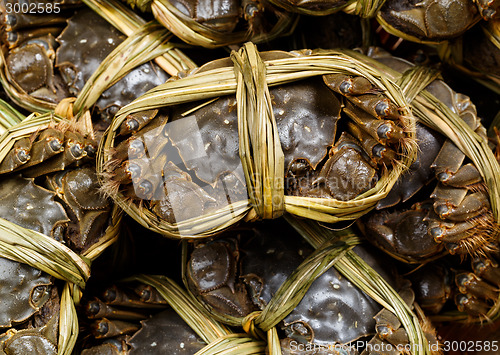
(429, 20)
(301, 136)
(31, 206)
(165, 333)
(403, 235)
(334, 310)
(23, 291)
(84, 43)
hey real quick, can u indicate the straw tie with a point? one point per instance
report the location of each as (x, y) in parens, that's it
(260, 148)
(249, 326)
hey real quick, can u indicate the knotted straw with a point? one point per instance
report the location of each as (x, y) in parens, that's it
(261, 153)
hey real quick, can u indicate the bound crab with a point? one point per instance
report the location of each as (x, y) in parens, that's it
(29, 50)
(473, 289)
(51, 170)
(458, 216)
(134, 319)
(235, 276)
(55, 61)
(209, 24)
(181, 162)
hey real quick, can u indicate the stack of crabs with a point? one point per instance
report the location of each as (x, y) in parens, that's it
(331, 187)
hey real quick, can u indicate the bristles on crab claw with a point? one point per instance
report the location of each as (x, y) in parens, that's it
(429, 331)
(479, 241)
(109, 186)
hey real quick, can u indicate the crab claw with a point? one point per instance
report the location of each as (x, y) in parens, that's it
(469, 283)
(487, 269)
(471, 305)
(472, 206)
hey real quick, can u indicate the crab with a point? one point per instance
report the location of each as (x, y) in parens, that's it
(429, 20)
(433, 287)
(226, 22)
(83, 45)
(478, 290)
(54, 61)
(29, 53)
(134, 319)
(307, 7)
(30, 308)
(69, 205)
(392, 338)
(241, 271)
(182, 162)
(460, 218)
(488, 9)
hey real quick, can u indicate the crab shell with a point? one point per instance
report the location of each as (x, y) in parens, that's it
(23, 291)
(334, 310)
(164, 333)
(306, 128)
(428, 20)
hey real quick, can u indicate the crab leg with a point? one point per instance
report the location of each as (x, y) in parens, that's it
(98, 309)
